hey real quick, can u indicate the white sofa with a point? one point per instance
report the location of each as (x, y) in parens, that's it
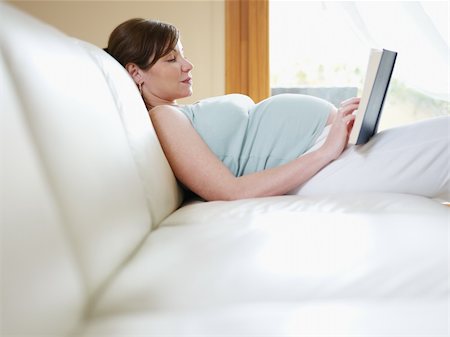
(97, 241)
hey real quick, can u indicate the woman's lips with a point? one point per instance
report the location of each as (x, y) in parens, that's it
(187, 80)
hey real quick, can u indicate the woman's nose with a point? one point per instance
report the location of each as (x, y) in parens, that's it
(187, 65)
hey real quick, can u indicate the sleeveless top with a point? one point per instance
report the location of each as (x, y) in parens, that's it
(249, 137)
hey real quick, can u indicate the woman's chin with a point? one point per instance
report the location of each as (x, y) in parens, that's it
(186, 92)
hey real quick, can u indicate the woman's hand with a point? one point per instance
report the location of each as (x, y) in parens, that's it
(341, 127)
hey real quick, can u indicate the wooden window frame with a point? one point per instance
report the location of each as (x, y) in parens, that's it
(247, 48)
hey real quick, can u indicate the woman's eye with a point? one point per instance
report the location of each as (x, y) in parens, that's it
(172, 59)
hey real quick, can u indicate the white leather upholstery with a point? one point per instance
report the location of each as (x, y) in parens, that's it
(84, 182)
(92, 163)
(39, 268)
(292, 252)
(162, 192)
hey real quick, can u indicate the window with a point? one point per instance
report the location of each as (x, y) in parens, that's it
(323, 48)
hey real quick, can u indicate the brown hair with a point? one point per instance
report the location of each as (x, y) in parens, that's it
(142, 42)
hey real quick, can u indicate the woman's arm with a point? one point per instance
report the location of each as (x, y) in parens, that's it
(197, 167)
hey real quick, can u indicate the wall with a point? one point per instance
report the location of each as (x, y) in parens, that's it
(201, 24)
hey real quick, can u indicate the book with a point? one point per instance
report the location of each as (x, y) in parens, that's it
(378, 75)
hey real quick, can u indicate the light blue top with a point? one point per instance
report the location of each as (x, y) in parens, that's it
(249, 137)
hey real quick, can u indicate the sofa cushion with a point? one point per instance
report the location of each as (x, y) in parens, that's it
(291, 249)
(336, 318)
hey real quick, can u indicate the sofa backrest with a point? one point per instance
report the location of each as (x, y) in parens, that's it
(83, 179)
(162, 192)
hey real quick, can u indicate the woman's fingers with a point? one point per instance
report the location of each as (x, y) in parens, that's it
(353, 100)
(350, 126)
(349, 118)
(348, 109)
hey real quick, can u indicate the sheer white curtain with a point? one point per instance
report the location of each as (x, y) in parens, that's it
(418, 31)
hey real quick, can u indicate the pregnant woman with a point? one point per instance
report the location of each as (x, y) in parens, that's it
(228, 147)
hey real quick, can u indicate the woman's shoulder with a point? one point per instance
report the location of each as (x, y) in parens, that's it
(164, 111)
(163, 107)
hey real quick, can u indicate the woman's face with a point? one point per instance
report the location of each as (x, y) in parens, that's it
(169, 78)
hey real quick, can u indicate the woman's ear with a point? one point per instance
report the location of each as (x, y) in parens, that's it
(135, 72)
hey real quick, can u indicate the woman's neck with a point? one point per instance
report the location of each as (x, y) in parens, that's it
(155, 101)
